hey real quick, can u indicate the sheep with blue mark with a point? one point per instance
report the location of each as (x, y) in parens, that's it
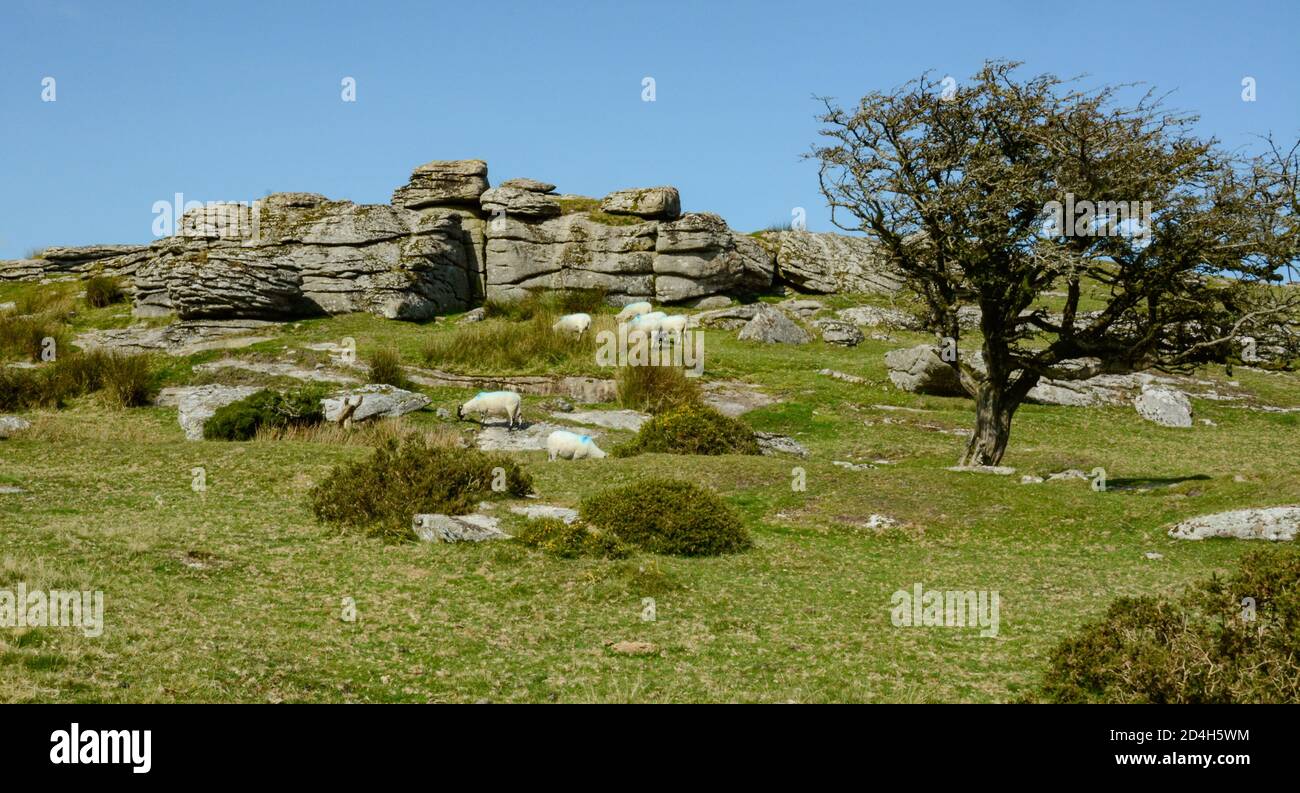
(633, 310)
(488, 403)
(576, 324)
(572, 446)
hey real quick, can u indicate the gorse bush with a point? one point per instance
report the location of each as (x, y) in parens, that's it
(102, 291)
(554, 537)
(667, 516)
(124, 380)
(656, 389)
(380, 495)
(1209, 646)
(386, 367)
(693, 429)
(241, 421)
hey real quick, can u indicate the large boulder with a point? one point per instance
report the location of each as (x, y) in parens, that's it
(827, 263)
(443, 182)
(875, 317)
(307, 255)
(657, 203)
(531, 185)
(773, 327)
(196, 404)
(570, 252)
(698, 255)
(920, 370)
(1271, 523)
(12, 425)
(835, 331)
(1164, 406)
(520, 202)
(375, 401)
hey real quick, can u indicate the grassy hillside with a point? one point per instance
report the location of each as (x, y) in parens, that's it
(236, 594)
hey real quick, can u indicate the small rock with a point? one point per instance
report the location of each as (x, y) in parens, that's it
(845, 376)
(1271, 523)
(1030, 479)
(712, 303)
(853, 466)
(633, 648)
(1164, 406)
(558, 405)
(442, 413)
(879, 522)
(536, 511)
(1072, 473)
(1152, 555)
(834, 331)
(6, 490)
(531, 185)
(771, 443)
(772, 327)
(474, 315)
(456, 528)
(10, 425)
(661, 203)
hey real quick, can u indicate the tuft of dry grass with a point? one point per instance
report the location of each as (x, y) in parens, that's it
(370, 433)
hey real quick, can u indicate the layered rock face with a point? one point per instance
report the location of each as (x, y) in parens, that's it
(449, 241)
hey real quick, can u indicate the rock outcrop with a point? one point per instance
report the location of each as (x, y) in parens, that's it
(447, 242)
(1270, 523)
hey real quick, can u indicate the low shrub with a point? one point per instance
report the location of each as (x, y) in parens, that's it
(23, 336)
(1211, 645)
(103, 291)
(693, 429)
(382, 493)
(554, 537)
(655, 389)
(667, 516)
(506, 345)
(125, 380)
(241, 421)
(386, 367)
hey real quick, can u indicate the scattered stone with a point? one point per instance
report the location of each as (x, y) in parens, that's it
(1164, 406)
(834, 331)
(1270, 523)
(196, 404)
(853, 466)
(772, 327)
(537, 511)
(661, 203)
(730, 318)
(874, 317)
(271, 369)
(845, 376)
(9, 306)
(558, 405)
(1209, 422)
(997, 470)
(1070, 473)
(879, 522)
(920, 370)
(1153, 556)
(437, 527)
(734, 398)
(630, 420)
(474, 315)
(378, 400)
(633, 648)
(801, 308)
(771, 443)
(442, 413)
(11, 425)
(1030, 479)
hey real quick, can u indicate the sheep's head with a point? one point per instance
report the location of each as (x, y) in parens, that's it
(460, 411)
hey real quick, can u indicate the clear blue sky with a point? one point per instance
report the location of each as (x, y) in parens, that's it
(231, 100)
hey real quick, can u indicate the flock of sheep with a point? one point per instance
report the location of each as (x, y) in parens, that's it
(562, 444)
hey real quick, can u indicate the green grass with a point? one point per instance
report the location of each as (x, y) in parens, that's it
(235, 593)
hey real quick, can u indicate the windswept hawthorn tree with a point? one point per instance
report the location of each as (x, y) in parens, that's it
(962, 187)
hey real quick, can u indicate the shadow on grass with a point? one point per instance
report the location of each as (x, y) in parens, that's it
(1150, 483)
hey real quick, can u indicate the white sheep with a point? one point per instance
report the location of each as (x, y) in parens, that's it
(674, 325)
(573, 323)
(506, 403)
(633, 310)
(572, 446)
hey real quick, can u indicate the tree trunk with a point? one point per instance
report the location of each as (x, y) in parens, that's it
(995, 405)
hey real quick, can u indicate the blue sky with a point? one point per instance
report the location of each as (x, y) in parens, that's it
(228, 101)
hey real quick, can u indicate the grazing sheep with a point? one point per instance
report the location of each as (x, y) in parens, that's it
(633, 310)
(506, 403)
(573, 323)
(572, 446)
(674, 325)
